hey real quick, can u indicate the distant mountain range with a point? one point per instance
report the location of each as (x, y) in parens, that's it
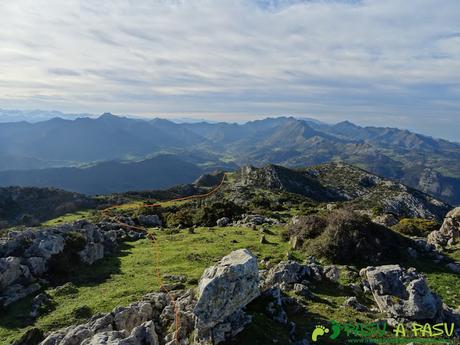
(86, 144)
(14, 115)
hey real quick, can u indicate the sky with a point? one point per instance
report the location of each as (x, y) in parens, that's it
(374, 62)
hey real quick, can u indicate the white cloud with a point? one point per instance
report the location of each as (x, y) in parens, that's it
(353, 59)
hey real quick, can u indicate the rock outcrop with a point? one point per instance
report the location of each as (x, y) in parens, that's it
(449, 233)
(211, 317)
(402, 294)
(25, 256)
(223, 290)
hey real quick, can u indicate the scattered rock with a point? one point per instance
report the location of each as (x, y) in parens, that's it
(303, 290)
(10, 271)
(449, 233)
(66, 289)
(151, 220)
(32, 337)
(387, 220)
(40, 304)
(353, 303)
(274, 307)
(222, 222)
(35, 251)
(332, 273)
(288, 272)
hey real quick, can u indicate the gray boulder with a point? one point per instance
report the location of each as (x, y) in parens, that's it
(449, 233)
(91, 253)
(227, 287)
(10, 271)
(224, 221)
(48, 245)
(151, 220)
(332, 273)
(127, 318)
(16, 292)
(402, 293)
(286, 272)
(37, 265)
(353, 303)
(224, 289)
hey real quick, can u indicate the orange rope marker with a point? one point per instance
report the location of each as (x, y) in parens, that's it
(153, 239)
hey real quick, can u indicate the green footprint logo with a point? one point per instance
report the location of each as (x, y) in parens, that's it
(319, 332)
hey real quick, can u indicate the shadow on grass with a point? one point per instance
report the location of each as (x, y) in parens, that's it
(16, 316)
(84, 275)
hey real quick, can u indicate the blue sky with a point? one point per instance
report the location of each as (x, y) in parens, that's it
(374, 62)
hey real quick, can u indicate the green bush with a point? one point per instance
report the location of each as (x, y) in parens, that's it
(66, 289)
(416, 226)
(83, 312)
(307, 227)
(351, 238)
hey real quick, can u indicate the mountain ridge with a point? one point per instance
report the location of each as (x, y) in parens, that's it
(393, 153)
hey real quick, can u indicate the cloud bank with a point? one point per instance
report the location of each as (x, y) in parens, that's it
(377, 62)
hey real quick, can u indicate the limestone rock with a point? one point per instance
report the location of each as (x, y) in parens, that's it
(332, 273)
(387, 220)
(402, 293)
(37, 265)
(288, 272)
(449, 233)
(227, 287)
(224, 221)
(353, 303)
(150, 221)
(92, 253)
(10, 271)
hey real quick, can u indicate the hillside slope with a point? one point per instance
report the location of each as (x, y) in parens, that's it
(159, 172)
(431, 165)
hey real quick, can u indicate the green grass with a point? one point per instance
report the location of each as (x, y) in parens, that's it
(68, 218)
(124, 278)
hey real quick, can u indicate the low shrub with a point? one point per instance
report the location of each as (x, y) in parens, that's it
(351, 238)
(416, 226)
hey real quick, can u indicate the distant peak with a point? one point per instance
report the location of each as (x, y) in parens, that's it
(107, 116)
(346, 123)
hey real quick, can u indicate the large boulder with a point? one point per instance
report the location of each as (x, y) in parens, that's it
(449, 233)
(402, 294)
(46, 245)
(91, 253)
(10, 271)
(37, 265)
(286, 272)
(225, 289)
